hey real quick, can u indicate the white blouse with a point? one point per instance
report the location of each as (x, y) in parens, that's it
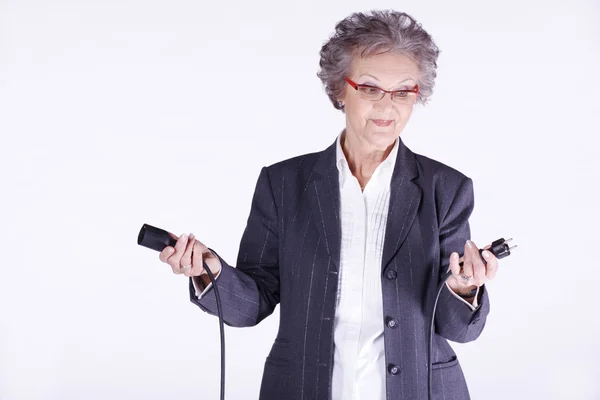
(359, 357)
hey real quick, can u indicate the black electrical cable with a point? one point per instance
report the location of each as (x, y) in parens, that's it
(500, 249)
(157, 239)
(221, 327)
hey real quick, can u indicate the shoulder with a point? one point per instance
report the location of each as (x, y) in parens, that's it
(299, 167)
(447, 185)
(439, 173)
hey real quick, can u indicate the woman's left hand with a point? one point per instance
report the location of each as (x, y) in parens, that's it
(474, 271)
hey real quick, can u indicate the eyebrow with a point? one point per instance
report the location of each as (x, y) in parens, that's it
(374, 77)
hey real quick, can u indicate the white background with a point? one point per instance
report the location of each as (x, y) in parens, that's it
(119, 113)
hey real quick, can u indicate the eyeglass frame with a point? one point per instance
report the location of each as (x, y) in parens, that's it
(356, 86)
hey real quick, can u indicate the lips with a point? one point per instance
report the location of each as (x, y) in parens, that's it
(382, 122)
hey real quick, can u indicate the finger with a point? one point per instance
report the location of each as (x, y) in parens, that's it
(479, 268)
(479, 273)
(454, 264)
(166, 253)
(467, 268)
(175, 258)
(492, 264)
(186, 259)
(197, 260)
(205, 256)
(456, 269)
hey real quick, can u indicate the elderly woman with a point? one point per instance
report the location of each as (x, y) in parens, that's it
(352, 241)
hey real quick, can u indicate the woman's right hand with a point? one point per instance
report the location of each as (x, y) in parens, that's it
(187, 256)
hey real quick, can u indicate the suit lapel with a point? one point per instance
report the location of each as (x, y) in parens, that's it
(405, 197)
(324, 193)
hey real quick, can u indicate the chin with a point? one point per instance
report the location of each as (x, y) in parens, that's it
(383, 139)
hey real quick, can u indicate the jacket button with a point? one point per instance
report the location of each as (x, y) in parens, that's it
(392, 323)
(393, 369)
(391, 275)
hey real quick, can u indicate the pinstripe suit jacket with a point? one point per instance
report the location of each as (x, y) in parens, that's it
(290, 254)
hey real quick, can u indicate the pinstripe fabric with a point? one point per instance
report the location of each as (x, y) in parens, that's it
(290, 255)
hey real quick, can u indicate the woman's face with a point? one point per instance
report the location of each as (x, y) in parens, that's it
(377, 124)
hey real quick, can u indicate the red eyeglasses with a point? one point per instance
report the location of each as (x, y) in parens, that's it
(373, 93)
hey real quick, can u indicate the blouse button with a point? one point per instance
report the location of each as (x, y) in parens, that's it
(391, 274)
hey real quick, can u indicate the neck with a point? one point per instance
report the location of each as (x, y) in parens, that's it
(362, 160)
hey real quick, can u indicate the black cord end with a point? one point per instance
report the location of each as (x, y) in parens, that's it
(500, 248)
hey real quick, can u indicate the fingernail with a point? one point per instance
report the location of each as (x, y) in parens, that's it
(183, 237)
(469, 244)
(486, 254)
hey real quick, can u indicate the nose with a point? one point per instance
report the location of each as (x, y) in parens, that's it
(385, 102)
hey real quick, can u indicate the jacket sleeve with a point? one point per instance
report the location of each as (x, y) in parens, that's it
(455, 320)
(249, 292)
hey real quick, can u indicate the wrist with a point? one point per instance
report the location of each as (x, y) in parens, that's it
(211, 260)
(465, 292)
(204, 279)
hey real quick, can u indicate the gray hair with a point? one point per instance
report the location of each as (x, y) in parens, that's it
(373, 33)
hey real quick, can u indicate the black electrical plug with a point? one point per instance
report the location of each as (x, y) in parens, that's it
(155, 238)
(499, 248)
